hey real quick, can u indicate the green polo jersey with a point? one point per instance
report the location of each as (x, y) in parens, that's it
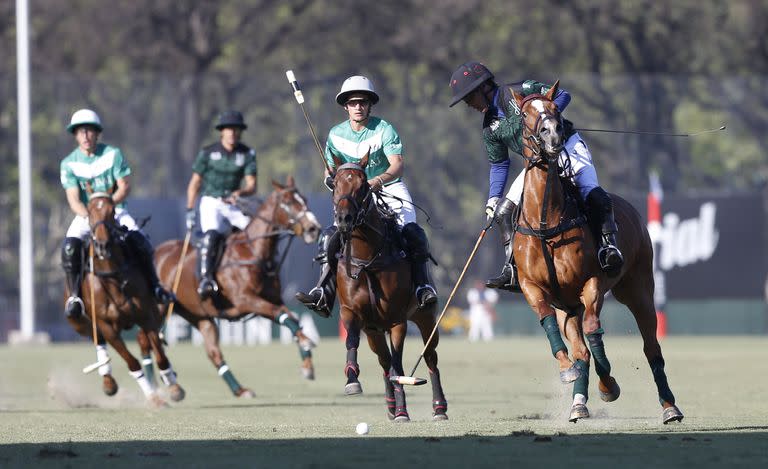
(102, 170)
(502, 124)
(223, 171)
(345, 143)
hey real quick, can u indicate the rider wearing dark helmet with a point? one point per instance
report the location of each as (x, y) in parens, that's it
(474, 84)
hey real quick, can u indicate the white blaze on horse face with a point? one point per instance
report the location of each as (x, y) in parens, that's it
(538, 105)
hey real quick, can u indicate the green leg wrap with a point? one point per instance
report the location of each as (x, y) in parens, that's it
(581, 385)
(602, 365)
(549, 323)
(657, 368)
(229, 378)
(149, 368)
(286, 320)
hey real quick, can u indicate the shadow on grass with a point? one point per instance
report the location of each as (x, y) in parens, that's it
(699, 449)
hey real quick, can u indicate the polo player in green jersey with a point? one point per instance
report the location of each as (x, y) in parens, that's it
(104, 168)
(225, 171)
(349, 141)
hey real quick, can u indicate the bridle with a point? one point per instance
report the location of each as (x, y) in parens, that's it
(531, 139)
(362, 206)
(101, 247)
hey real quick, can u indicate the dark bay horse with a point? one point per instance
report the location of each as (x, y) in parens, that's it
(248, 277)
(555, 251)
(376, 291)
(122, 298)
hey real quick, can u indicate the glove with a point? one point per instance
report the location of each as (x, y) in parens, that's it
(329, 183)
(191, 219)
(490, 208)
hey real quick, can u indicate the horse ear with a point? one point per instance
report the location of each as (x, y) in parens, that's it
(88, 187)
(553, 91)
(277, 185)
(364, 160)
(290, 182)
(336, 162)
(518, 98)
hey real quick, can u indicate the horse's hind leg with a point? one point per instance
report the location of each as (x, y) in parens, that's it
(639, 300)
(351, 367)
(546, 314)
(378, 343)
(147, 364)
(425, 320)
(167, 375)
(287, 319)
(593, 304)
(210, 333)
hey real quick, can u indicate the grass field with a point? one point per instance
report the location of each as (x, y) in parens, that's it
(506, 409)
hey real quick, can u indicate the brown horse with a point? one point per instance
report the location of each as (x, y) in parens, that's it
(376, 291)
(248, 277)
(555, 251)
(121, 298)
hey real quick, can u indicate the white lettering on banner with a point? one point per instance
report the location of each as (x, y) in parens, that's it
(680, 243)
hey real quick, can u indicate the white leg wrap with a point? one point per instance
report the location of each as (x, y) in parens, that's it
(101, 354)
(281, 319)
(168, 376)
(223, 369)
(144, 384)
(579, 399)
(146, 361)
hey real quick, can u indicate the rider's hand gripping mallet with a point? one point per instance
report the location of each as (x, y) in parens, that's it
(419, 381)
(104, 361)
(176, 281)
(300, 99)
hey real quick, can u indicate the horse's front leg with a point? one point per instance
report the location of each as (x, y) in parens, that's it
(425, 320)
(286, 318)
(352, 369)
(396, 343)
(593, 304)
(571, 327)
(210, 332)
(167, 375)
(541, 305)
(82, 326)
(147, 364)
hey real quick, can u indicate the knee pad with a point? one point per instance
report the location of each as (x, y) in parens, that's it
(71, 254)
(416, 242)
(598, 200)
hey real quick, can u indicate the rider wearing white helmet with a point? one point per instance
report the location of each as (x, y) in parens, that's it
(349, 141)
(105, 168)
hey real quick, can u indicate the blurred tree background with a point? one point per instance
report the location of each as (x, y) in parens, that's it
(159, 71)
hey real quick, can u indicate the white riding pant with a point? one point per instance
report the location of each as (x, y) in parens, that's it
(80, 228)
(584, 174)
(404, 209)
(215, 214)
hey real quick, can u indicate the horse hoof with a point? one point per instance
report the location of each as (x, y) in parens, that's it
(352, 389)
(176, 392)
(437, 417)
(245, 393)
(308, 373)
(671, 414)
(109, 385)
(570, 375)
(578, 411)
(401, 418)
(613, 392)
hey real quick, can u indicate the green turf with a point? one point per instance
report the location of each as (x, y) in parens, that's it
(506, 408)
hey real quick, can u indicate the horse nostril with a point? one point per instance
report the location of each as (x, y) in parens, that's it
(347, 218)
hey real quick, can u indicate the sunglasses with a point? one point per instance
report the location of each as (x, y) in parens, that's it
(355, 102)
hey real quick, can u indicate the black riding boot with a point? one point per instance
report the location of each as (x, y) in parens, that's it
(507, 280)
(322, 298)
(72, 262)
(417, 245)
(140, 246)
(609, 256)
(209, 258)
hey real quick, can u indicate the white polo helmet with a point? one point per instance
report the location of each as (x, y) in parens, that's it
(84, 117)
(356, 84)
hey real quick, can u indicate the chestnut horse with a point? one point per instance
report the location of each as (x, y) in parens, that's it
(558, 268)
(122, 298)
(248, 277)
(376, 291)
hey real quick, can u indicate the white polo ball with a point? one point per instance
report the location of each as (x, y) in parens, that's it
(361, 428)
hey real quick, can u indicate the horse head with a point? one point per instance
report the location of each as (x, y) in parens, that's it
(351, 194)
(291, 212)
(542, 125)
(101, 218)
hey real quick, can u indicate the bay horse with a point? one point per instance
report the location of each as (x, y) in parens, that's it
(248, 277)
(122, 298)
(376, 290)
(555, 251)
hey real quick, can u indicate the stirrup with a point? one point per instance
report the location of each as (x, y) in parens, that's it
(428, 293)
(69, 307)
(602, 257)
(506, 281)
(315, 300)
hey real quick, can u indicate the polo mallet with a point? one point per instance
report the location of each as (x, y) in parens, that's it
(300, 99)
(662, 134)
(93, 366)
(176, 280)
(419, 381)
